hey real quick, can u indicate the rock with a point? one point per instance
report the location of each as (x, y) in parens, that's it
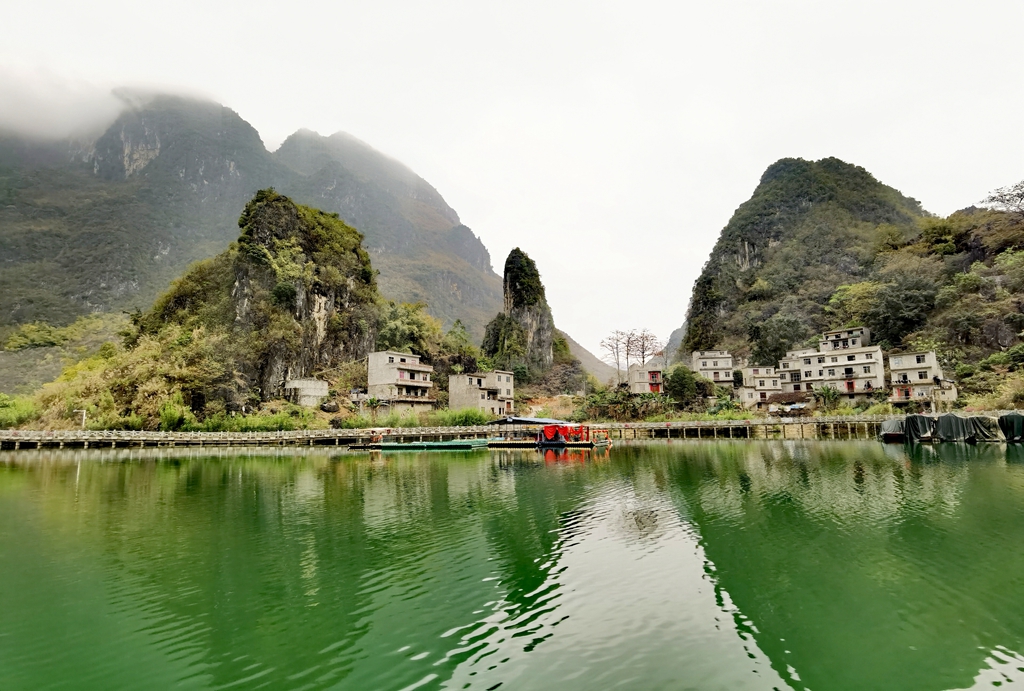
(330, 406)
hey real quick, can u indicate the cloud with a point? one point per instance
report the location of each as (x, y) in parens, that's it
(41, 104)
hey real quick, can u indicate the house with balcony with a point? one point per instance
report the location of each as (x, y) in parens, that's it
(856, 371)
(759, 384)
(648, 377)
(491, 392)
(917, 377)
(843, 339)
(400, 380)
(713, 365)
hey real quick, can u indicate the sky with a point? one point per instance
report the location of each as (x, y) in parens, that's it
(611, 141)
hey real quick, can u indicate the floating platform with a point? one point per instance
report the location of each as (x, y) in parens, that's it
(452, 445)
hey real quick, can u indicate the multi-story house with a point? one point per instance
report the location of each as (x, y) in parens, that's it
(918, 377)
(713, 365)
(759, 384)
(856, 372)
(400, 380)
(491, 392)
(842, 339)
(648, 377)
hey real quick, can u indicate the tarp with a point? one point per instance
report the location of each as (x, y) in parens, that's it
(919, 427)
(985, 428)
(528, 421)
(1012, 425)
(951, 427)
(893, 430)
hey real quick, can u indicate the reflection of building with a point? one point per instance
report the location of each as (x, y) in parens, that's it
(713, 365)
(491, 392)
(918, 377)
(759, 384)
(399, 380)
(648, 377)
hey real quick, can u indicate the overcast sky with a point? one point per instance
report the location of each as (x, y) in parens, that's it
(609, 140)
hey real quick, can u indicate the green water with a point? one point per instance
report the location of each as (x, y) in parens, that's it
(691, 565)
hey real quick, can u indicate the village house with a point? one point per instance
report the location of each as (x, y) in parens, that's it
(648, 377)
(491, 392)
(713, 365)
(400, 381)
(759, 384)
(917, 377)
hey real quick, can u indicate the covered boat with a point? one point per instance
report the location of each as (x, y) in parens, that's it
(1012, 426)
(893, 431)
(952, 427)
(919, 428)
(985, 428)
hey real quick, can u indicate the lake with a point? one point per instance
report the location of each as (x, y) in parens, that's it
(686, 565)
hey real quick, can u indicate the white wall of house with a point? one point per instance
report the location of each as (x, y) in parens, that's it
(491, 392)
(393, 376)
(648, 377)
(713, 365)
(913, 377)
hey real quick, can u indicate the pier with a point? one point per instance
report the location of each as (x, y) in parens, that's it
(852, 427)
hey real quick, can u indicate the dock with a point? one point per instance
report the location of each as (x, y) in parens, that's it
(848, 427)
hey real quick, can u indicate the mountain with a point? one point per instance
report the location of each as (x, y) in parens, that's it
(824, 245)
(809, 227)
(295, 297)
(105, 223)
(601, 370)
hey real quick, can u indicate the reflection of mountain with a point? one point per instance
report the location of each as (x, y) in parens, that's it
(861, 572)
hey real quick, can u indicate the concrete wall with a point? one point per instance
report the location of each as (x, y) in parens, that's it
(306, 392)
(491, 392)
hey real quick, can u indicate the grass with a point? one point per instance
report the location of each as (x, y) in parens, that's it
(16, 411)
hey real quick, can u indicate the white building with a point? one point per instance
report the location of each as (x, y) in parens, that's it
(400, 380)
(759, 384)
(713, 365)
(856, 372)
(491, 392)
(648, 377)
(918, 377)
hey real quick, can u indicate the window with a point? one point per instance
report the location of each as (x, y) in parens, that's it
(831, 373)
(821, 373)
(807, 360)
(757, 371)
(508, 379)
(851, 358)
(401, 374)
(764, 396)
(869, 356)
(775, 382)
(750, 394)
(703, 363)
(479, 382)
(783, 376)
(401, 359)
(848, 371)
(391, 359)
(853, 341)
(920, 359)
(834, 359)
(896, 361)
(795, 377)
(810, 387)
(760, 382)
(508, 392)
(867, 369)
(483, 397)
(821, 360)
(922, 375)
(728, 375)
(716, 375)
(809, 373)
(796, 387)
(714, 363)
(785, 365)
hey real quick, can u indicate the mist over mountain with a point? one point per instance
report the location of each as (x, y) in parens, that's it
(105, 223)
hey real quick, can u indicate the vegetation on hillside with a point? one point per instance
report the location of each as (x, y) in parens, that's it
(823, 245)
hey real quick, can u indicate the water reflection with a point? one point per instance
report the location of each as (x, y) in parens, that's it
(705, 565)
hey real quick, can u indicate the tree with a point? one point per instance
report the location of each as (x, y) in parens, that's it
(406, 327)
(900, 307)
(827, 397)
(1007, 199)
(644, 344)
(771, 338)
(681, 385)
(374, 404)
(615, 348)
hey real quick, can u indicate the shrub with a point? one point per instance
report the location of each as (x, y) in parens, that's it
(16, 411)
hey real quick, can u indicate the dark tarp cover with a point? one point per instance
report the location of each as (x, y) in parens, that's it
(1012, 425)
(950, 427)
(919, 427)
(893, 429)
(985, 428)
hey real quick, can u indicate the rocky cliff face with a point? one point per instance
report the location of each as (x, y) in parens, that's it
(523, 335)
(298, 296)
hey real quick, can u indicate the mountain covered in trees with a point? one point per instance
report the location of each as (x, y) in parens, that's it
(294, 297)
(104, 223)
(823, 245)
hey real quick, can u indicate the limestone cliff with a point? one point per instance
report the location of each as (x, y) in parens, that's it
(295, 296)
(522, 336)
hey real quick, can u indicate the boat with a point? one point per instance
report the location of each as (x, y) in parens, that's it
(544, 433)
(893, 431)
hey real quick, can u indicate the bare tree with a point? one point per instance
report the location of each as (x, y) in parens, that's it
(644, 345)
(615, 347)
(1007, 199)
